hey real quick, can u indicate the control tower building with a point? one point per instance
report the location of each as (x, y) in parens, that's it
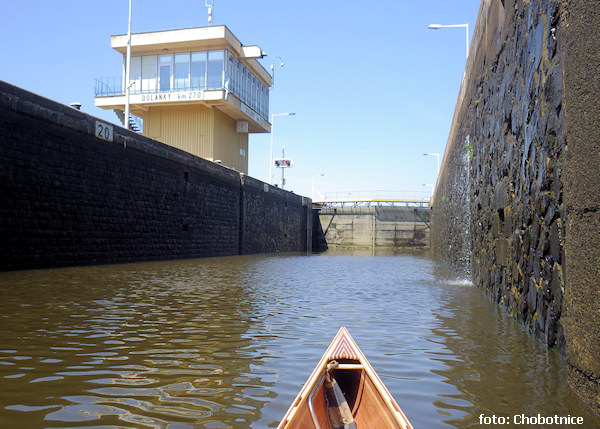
(197, 89)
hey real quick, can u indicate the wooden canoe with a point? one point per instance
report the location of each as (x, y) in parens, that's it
(369, 401)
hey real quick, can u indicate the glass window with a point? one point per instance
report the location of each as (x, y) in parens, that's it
(230, 75)
(149, 73)
(243, 83)
(135, 74)
(164, 72)
(253, 92)
(215, 69)
(263, 98)
(182, 71)
(247, 86)
(238, 82)
(198, 70)
(257, 100)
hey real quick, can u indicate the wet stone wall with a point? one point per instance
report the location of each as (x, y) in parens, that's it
(517, 146)
(501, 190)
(519, 186)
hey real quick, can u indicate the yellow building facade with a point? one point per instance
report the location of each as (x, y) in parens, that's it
(197, 89)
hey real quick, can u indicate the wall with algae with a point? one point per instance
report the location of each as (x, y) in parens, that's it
(517, 203)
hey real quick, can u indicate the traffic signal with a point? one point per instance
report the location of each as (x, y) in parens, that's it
(283, 162)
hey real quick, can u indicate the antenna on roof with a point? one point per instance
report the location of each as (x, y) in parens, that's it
(209, 5)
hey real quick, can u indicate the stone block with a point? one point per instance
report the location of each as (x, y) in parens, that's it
(502, 252)
(509, 226)
(555, 241)
(557, 288)
(497, 226)
(500, 196)
(532, 296)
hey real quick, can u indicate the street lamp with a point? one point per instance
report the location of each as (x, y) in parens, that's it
(272, 131)
(273, 69)
(440, 26)
(312, 193)
(437, 155)
(128, 70)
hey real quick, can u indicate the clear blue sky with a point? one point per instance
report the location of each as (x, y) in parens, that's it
(372, 87)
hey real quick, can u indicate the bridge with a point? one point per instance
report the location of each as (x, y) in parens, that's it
(372, 199)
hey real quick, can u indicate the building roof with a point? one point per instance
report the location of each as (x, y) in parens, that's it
(193, 39)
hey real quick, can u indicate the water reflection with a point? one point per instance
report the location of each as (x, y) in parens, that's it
(497, 368)
(228, 342)
(145, 344)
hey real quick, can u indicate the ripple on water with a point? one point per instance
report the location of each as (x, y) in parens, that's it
(228, 343)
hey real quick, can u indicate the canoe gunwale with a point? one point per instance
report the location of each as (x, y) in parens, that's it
(342, 348)
(311, 400)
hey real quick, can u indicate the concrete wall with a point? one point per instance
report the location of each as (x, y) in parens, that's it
(71, 198)
(581, 187)
(385, 227)
(519, 188)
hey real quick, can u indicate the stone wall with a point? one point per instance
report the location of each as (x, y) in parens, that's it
(519, 186)
(261, 204)
(71, 198)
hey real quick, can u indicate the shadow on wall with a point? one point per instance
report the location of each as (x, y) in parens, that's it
(319, 243)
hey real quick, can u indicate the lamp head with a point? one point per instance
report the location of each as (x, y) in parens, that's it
(435, 26)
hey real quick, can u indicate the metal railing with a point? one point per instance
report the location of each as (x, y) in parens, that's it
(355, 199)
(370, 203)
(109, 86)
(113, 86)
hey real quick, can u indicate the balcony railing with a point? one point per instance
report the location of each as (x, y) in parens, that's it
(113, 86)
(106, 86)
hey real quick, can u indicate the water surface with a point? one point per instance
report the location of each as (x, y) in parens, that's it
(228, 343)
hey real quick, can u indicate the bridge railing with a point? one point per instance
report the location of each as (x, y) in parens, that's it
(355, 199)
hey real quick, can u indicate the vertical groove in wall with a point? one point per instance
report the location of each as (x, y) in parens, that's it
(242, 217)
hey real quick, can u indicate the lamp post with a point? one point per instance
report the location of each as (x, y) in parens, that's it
(128, 70)
(437, 155)
(440, 26)
(273, 69)
(312, 193)
(272, 132)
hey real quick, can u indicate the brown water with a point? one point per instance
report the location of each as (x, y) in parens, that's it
(228, 342)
